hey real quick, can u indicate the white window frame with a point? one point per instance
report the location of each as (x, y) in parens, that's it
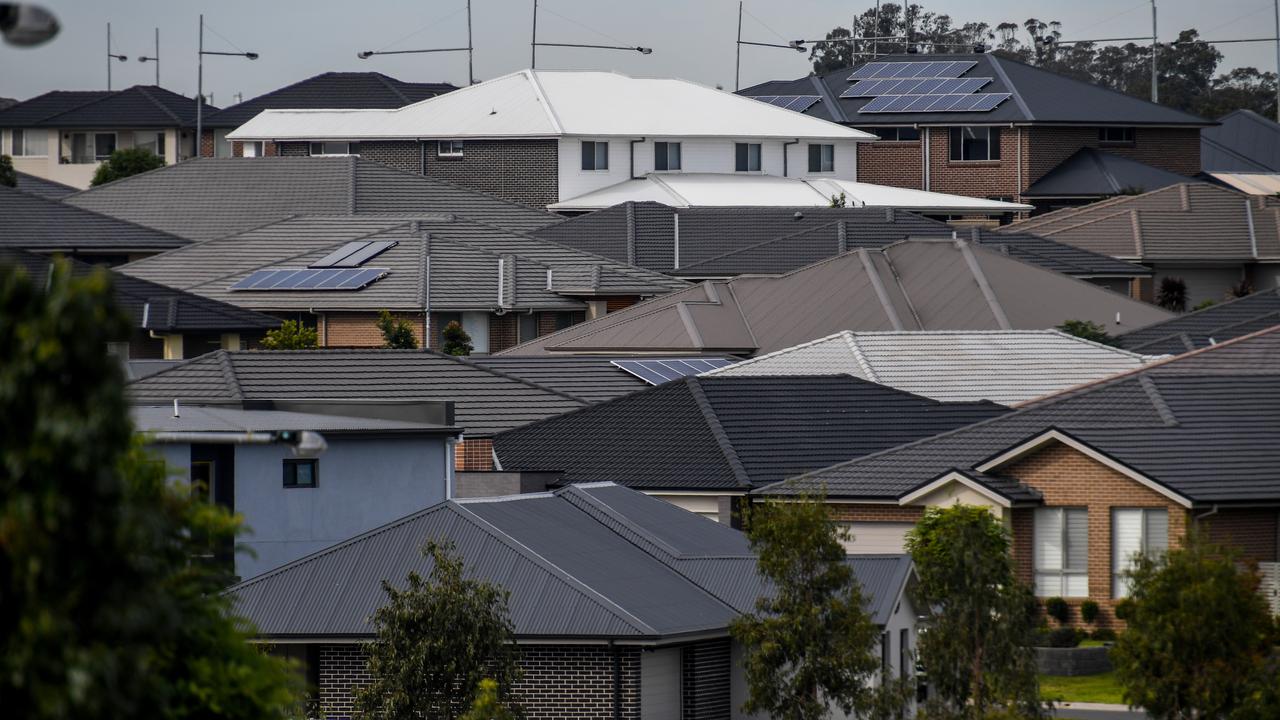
(1120, 566)
(311, 148)
(1064, 550)
(455, 149)
(668, 145)
(257, 145)
(830, 163)
(98, 157)
(595, 156)
(759, 157)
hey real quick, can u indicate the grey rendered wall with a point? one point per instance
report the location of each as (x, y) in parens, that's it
(1203, 283)
(361, 484)
(176, 457)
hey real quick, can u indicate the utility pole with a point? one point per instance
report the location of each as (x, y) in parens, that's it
(1155, 78)
(199, 145)
(471, 50)
(533, 44)
(1277, 8)
(737, 60)
(875, 42)
(111, 56)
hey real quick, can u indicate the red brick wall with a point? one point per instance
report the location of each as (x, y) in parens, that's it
(1254, 531)
(502, 331)
(206, 143)
(1173, 149)
(358, 329)
(474, 454)
(897, 164)
(975, 178)
(614, 304)
(875, 513)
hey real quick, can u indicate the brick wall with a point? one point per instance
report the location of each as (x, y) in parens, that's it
(358, 329)
(1254, 531)
(503, 330)
(206, 143)
(294, 149)
(841, 512)
(525, 171)
(1173, 149)
(573, 682)
(473, 454)
(399, 154)
(614, 304)
(988, 178)
(897, 164)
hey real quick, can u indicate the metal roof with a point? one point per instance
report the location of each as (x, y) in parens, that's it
(587, 562)
(553, 103)
(1243, 141)
(1003, 366)
(1252, 183)
(1091, 172)
(911, 285)
(140, 106)
(1203, 328)
(1202, 424)
(212, 419)
(331, 90)
(728, 433)
(32, 222)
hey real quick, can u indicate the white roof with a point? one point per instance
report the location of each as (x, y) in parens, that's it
(1252, 183)
(1004, 366)
(552, 103)
(737, 189)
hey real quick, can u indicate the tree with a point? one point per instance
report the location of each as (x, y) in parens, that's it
(1172, 295)
(124, 163)
(8, 176)
(1087, 330)
(1197, 628)
(811, 641)
(456, 340)
(488, 706)
(980, 619)
(106, 610)
(291, 335)
(397, 333)
(435, 642)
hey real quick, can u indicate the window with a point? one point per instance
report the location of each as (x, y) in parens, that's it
(152, 141)
(1061, 554)
(904, 653)
(895, 134)
(335, 148)
(746, 157)
(666, 156)
(1116, 135)
(449, 148)
(299, 473)
(595, 155)
(251, 149)
(1135, 531)
(30, 142)
(103, 145)
(822, 158)
(442, 320)
(975, 143)
(528, 327)
(886, 649)
(565, 319)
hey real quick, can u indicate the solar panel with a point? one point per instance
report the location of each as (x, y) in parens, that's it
(657, 372)
(310, 279)
(981, 102)
(915, 86)
(353, 254)
(798, 103)
(913, 69)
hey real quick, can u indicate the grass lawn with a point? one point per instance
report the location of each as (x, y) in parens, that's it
(1085, 688)
(1092, 643)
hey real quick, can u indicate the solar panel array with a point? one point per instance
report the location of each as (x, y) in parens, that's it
(916, 86)
(310, 279)
(981, 102)
(656, 372)
(928, 69)
(354, 254)
(798, 103)
(921, 87)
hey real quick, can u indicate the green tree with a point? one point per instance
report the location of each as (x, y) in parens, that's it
(291, 335)
(1197, 629)
(811, 641)
(1172, 295)
(436, 640)
(397, 333)
(488, 706)
(456, 340)
(105, 612)
(8, 176)
(124, 163)
(1087, 330)
(980, 619)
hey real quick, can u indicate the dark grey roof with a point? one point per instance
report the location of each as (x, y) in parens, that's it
(40, 224)
(156, 307)
(140, 106)
(591, 378)
(1090, 173)
(1202, 328)
(330, 91)
(43, 188)
(1243, 141)
(729, 432)
(1038, 96)
(1203, 425)
(486, 401)
(719, 242)
(584, 562)
(192, 199)
(215, 419)
(7, 102)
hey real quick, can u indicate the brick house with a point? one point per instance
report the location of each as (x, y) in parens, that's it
(620, 603)
(1007, 131)
(1089, 476)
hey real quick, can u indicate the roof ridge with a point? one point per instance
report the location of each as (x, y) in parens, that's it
(730, 454)
(228, 369)
(503, 374)
(775, 353)
(384, 80)
(96, 99)
(1157, 401)
(142, 89)
(994, 60)
(851, 340)
(370, 164)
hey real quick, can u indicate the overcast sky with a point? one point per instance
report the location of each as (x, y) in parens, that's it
(692, 39)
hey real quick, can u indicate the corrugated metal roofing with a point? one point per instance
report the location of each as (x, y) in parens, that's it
(331, 90)
(1253, 183)
(1243, 141)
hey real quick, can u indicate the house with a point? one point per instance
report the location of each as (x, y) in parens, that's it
(987, 126)
(379, 460)
(703, 443)
(338, 273)
(41, 187)
(1207, 327)
(326, 91)
(213, 198)
(485, 401)
(1003, 366)
(167, 323)
(546, 136)
(1243, 152)
(720, 242)
(917, 284)
(1087, 477)
(62, 135)
(46, 226)
(1213, 238)
(620, 604)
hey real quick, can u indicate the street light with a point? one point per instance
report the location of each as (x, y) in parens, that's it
(155, 59)
(471, 76)
(534, 44)
(111, 56)
(200, 53)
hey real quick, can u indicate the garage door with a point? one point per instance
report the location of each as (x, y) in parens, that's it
(660, 684)
(871, 538)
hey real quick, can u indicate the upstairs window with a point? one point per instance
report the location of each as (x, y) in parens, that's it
(252, 148)
(1116, 135)
(895, 134)
(330, 147)
(1135, 531)
(1061, 555)
(300, 473)
(449, 148)
(822, 158)
(666, 156)
(746, 157)
(30, 143)
(103, 145)
(975, 143)
(595, 155)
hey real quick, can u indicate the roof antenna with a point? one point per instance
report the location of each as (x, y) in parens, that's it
(175, 408)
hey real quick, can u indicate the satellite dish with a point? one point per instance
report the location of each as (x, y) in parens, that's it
(26, 25)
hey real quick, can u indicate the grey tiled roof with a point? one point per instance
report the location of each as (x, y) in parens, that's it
(330, 91)
(31, 222)
(591, 378)
(41, 187)
(1202, 328)
(1243, 141)
(486, 401)
(729, 432)
(583, 562)
(1203, 424)
(191, 199)
(213, 419)
(41, 107)
(140, 106)
(1091, 172)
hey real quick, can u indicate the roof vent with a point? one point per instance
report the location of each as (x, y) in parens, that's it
(798, 216)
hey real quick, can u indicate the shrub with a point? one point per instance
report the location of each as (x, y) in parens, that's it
(456, 340)
(125, 163)
(1063, 637)
(1172, 294)
(397, 333)
(1058, 609)
(1206, 303)
(8, 176)
(1087, 330)
(1124, 609)
(1089, 611)
(291, 335)
(1104, 635)
(1241, 289)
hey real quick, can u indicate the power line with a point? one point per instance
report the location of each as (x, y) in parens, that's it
(429, 24)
